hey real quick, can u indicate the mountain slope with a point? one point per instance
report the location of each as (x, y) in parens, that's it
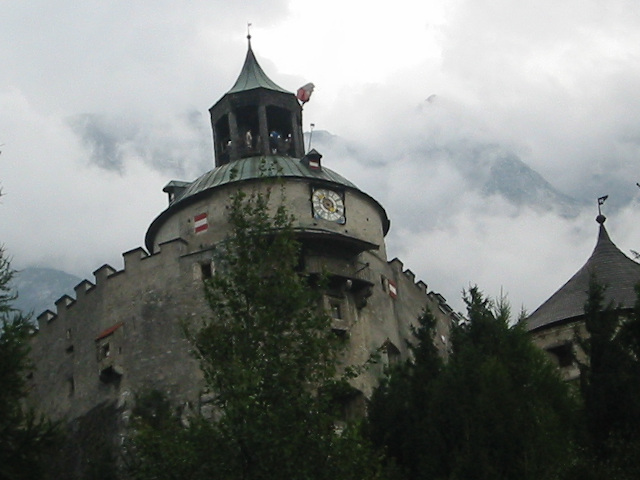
(39, 288)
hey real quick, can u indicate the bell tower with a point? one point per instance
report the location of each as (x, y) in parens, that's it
(256, 117)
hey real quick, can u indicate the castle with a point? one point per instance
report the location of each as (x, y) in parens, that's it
(122, 333)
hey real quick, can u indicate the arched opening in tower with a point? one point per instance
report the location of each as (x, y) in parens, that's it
(280, 129)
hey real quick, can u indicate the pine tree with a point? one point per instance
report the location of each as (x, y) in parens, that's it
(610, 388)
(25, 438)
(496, 409)
(269, 359)
(397, 421)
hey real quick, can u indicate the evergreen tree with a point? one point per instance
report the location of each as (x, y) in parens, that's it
(269, 359)
(610, 387)
(496, 409)
(397, 419)
(25, 438)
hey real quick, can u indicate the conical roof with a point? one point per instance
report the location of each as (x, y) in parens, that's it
(252, 76)
(611, 268)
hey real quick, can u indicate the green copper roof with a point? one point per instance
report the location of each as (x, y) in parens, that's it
(259, 167)
(252, 76)
(249, 169)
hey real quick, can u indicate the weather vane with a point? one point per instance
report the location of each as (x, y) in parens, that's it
(249, 31)
(601, 201)
(601, 218)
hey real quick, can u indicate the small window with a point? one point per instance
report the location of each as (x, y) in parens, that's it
(562, 354)
(71, 386)
(336, 311)
(105, 351)
(390, 354)
(206, 269)
(69, 349)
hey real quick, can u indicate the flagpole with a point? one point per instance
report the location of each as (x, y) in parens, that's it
(311, 135)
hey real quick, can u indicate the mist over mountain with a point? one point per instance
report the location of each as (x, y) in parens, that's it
(453, 175)
(486, 169)
(39, 288)
(521, 185)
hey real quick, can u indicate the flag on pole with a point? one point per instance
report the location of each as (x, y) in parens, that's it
(601, 200)
(304, 92)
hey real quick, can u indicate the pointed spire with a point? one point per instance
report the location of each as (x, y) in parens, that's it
(611, 268)
(252, 76)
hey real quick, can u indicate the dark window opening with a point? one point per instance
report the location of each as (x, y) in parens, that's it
(280, 131)
(104, 351)
(207, 270)
(563, 354)
(249, 131)
(391, 354)
(71, 386)
(111, 374)
(69, 349)
(336, 311)
(223, 140)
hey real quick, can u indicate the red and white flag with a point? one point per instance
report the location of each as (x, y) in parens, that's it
(200, 223)
(393, 290)
(304, 92)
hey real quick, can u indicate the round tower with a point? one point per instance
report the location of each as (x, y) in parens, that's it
(257, 131)
(257, 134)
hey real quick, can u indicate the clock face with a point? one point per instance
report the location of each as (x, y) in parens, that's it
(328, 205)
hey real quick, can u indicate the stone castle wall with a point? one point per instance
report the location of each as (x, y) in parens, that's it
(124, 333)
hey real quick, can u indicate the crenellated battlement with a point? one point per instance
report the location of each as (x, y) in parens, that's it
(103, 273)
(398, 268)
(85, 291)
(64, 302)
(132, 258)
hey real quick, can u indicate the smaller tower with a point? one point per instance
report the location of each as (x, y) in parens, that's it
(553, 325)
(256, 117)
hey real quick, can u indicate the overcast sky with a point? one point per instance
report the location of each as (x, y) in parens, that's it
(103, 102)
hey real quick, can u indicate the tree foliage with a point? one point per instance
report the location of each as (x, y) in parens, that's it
(269, 359)
(610, 388)
(25, 438)
(496, 409)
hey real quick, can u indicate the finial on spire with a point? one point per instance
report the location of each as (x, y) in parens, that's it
(601, 218)
(249, 33)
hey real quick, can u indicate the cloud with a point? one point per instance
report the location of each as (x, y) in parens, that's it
(179, 146)
(102, 140)
(58, 211)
